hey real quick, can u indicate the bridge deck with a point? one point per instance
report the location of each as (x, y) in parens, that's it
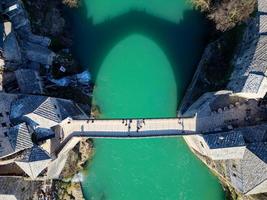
(127, 128)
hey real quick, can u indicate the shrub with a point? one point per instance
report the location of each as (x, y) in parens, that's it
(71, 3)
(226, 14)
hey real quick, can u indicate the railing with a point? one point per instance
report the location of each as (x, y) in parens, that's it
(127, 128)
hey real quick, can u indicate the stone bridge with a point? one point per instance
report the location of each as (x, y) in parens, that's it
(126, 128)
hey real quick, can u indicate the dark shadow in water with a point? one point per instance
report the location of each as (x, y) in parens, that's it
(182, 43)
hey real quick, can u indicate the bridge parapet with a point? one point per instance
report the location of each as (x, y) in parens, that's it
(131, 128)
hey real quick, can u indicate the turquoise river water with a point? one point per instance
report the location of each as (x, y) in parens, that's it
(142, 55)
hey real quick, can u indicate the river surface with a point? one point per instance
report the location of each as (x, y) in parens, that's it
(142, 55)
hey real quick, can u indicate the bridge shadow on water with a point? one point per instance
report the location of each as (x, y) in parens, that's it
(182, 42)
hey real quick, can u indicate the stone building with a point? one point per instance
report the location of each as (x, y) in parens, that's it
(249, 76)
(33, 161)
(225, 110)
(24, 44)
(221, 146)
(233, 123)
(27, 139)
(228, 127)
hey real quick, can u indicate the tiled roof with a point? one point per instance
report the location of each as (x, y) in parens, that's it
(39, 105)
(262, 5)
(254, 169)
(34, 154)
(68, 109)
(251, 60)
(20, 137)
(47, 110)
(28, 81)
(224, 140)
(253, 83)
(33, 161)
(25, 105)
(263, 24)
(255, 134)
(40, 110)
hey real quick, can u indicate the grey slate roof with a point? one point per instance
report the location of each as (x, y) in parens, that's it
(255, 134)
(262, 5)
(38, 53)
(33, 161)
(28, 81)
(68, 109)
(253, 168)
(47, 110)
(224, 140)
(34, 154)
(263, 24)
(260, 150)
(12, 49)
(258, 63)
(253, 83)
(251, 171)
(249, 79)
(251, 59)
(39, 105)
(36, 110)
(34, 47)
(20, 137)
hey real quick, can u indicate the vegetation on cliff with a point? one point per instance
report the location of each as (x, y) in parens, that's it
(71, 3)
(66, 188)
(95, 111)
(226, 14)
(77, 158)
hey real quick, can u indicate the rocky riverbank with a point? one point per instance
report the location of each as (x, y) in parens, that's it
(69, 187)
(67, 190)
(78, 158)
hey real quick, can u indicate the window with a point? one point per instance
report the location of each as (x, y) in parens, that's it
(234, 166)
(1, 115)
(5, 133)
(234, 174)
(7, 113)
(55, 106)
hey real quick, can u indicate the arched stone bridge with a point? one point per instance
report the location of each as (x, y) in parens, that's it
(126, 128)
